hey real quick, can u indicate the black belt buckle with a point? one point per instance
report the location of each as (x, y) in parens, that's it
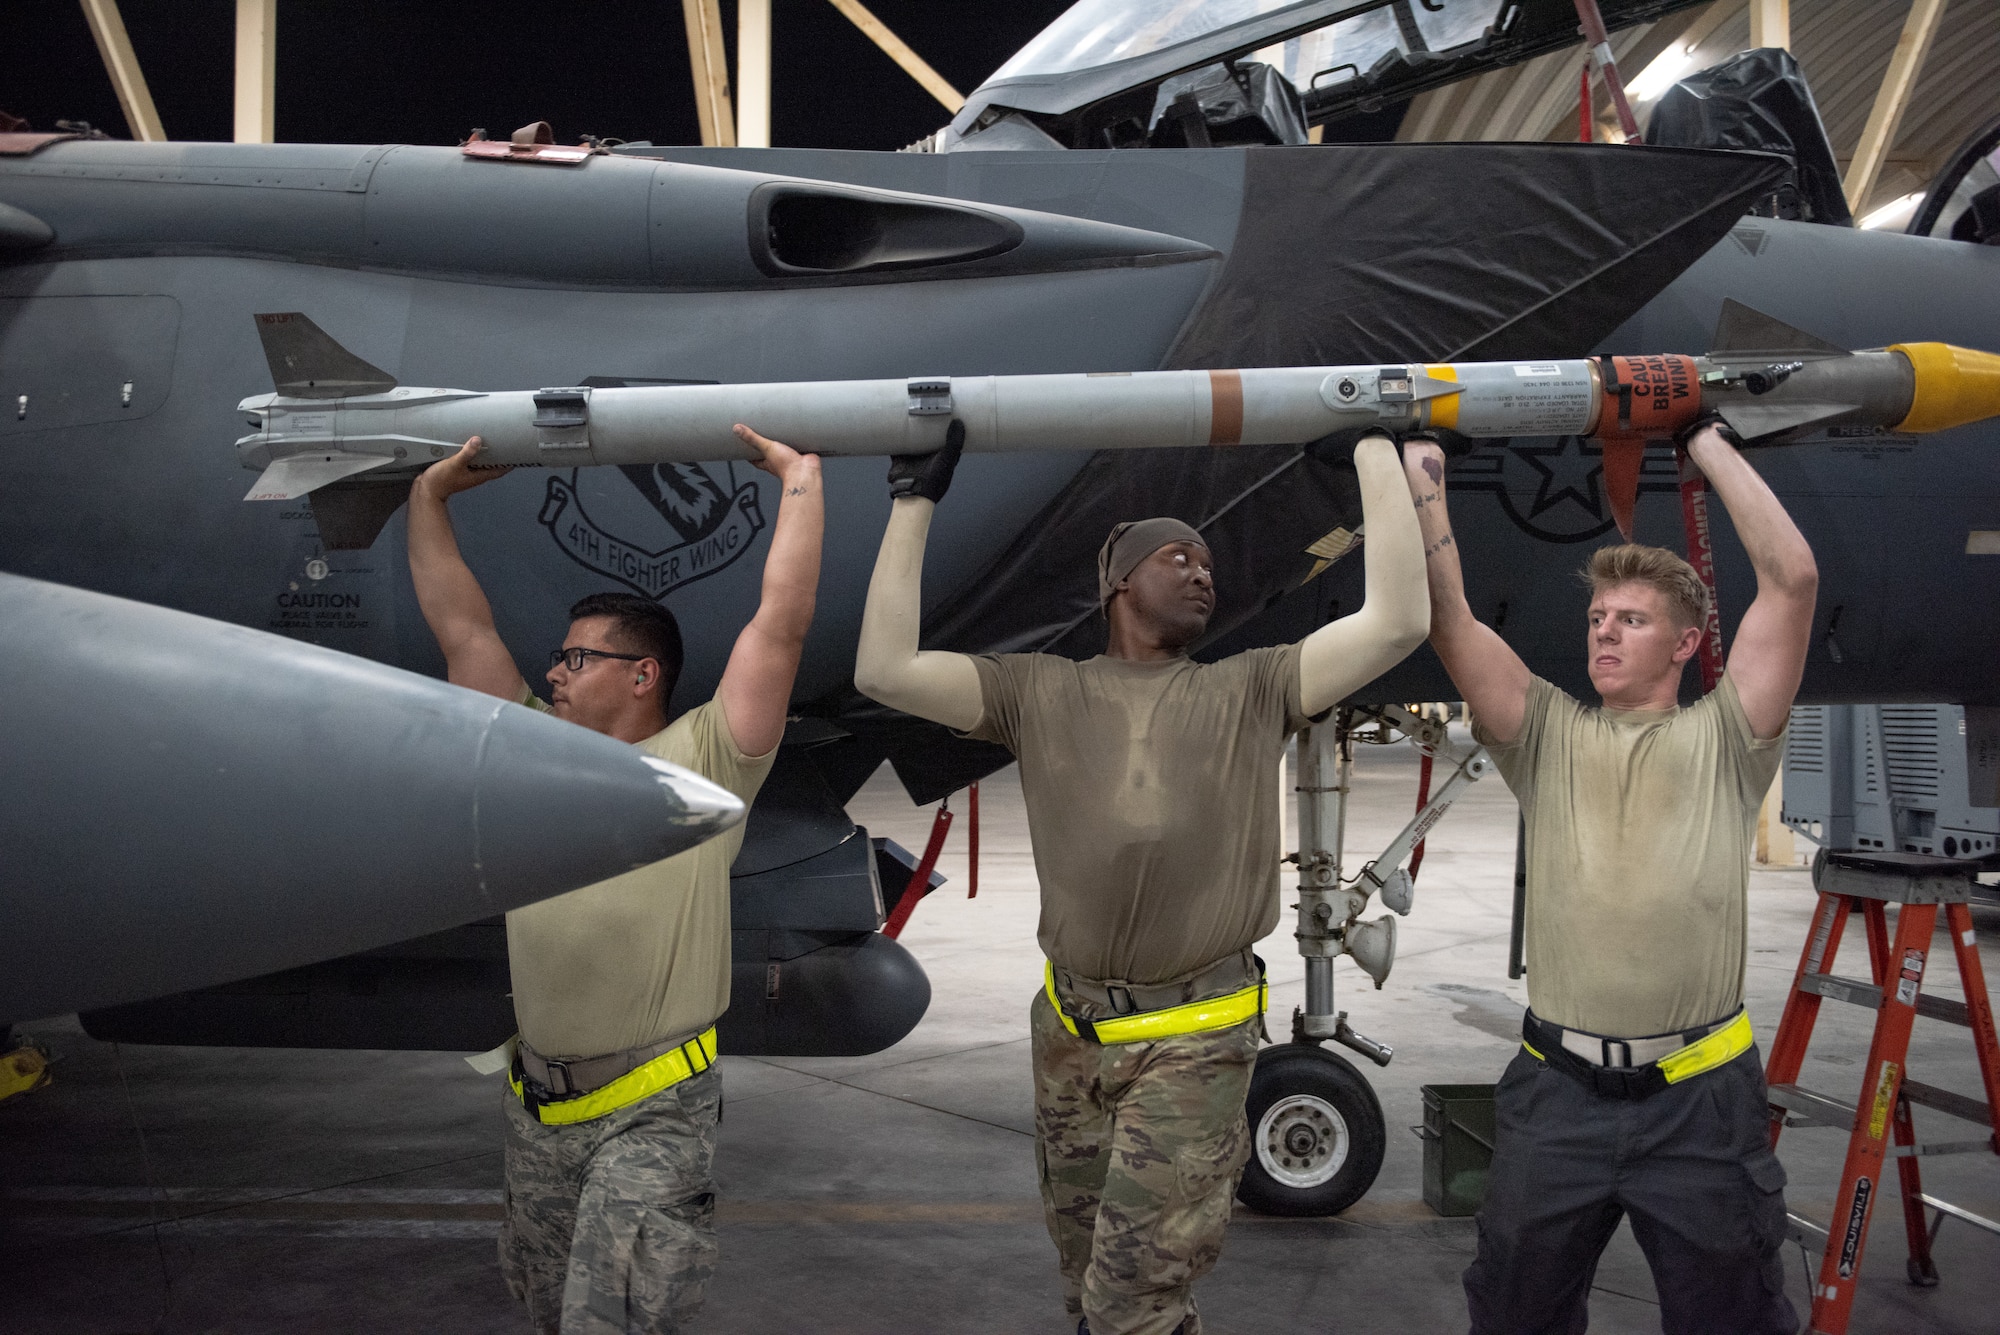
(1121, 1000)
(1606, 1082)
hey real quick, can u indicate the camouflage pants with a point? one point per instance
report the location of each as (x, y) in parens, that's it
(610, 1223)
(1138, 1147)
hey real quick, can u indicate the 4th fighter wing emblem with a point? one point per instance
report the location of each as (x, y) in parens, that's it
(706, 525)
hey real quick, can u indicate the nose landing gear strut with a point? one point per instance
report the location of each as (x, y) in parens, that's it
(1316, 1128)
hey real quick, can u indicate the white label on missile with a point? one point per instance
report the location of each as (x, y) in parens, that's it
(305, 424)
(1501, 400)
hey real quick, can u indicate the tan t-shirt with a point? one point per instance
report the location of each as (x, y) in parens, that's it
(1639, 833)
(1152, 795)
(644, 956)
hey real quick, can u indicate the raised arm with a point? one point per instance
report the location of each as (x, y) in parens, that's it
(1490, 677)
(1351, 652)
(942, 687)
(453, 604)
(756, 688)
(1768, 657)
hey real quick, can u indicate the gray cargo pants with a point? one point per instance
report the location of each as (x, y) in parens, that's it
(1693, 1168)
(610, 1223)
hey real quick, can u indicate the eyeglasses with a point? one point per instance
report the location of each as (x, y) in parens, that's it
(575, 657)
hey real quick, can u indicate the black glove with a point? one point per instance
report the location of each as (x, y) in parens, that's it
(928, 475)
(1338, 448)
(1708, 419)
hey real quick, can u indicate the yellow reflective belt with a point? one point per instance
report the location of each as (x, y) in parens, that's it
(1724, 1045)
(664, 1071)
(1191, 1017)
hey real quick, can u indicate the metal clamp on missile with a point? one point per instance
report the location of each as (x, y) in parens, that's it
(562, 419)
(1392, 387)
(930, 398)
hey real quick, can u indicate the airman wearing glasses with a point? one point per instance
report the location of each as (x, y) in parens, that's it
(613, 1096)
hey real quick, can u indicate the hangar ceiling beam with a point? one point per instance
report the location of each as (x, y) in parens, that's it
(256, 70)
(753, 73)
(1879, 135)
(1771, 23)
(711, 72)
(899, 51)
(107, 26)
(1705, 23)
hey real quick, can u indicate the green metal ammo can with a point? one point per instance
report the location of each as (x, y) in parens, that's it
(1458, 1146)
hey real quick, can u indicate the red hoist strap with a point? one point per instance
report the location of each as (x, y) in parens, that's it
(920, 880)
(1701, 555)
(1423, 796)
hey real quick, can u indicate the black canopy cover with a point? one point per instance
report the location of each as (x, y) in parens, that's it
(1344, 254)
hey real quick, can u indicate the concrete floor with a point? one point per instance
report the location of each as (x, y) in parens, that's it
(190, 1189)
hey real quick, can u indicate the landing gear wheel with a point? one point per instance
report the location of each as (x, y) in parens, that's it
(1316, 1133)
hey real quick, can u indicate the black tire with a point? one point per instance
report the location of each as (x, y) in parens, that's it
(1316, 1133)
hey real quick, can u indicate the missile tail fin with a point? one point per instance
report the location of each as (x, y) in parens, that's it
(292, 477)
(1755, 420)
(1743, 333)
(350, 514)
(307, 364)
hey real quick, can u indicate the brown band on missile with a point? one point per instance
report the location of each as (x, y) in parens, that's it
(1225, 407)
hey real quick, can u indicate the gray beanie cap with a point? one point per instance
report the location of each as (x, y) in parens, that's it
(1130, 543)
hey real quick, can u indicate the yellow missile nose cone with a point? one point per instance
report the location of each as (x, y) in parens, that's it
(1955, 386)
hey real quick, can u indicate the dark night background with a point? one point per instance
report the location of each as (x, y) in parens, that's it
(427, 72)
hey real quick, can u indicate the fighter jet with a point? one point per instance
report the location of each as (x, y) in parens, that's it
(1069, 221)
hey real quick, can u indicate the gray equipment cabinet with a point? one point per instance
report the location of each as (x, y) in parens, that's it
(1897, 778)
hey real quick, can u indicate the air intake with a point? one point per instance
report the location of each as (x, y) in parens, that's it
(802, 230)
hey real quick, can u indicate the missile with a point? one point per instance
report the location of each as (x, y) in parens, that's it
(187, 802)
(1769, 381)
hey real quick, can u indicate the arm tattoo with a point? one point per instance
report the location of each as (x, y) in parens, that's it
(1434, 471)
(795, 491)
(1438, 546)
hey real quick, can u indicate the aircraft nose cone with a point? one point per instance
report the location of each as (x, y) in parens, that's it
(188, 802)
(556, 800)
(697, 804)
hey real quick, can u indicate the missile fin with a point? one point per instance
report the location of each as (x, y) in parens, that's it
(1753, 421)
(307, 364)
(350, 514)
(292, 477)
(1743, 333)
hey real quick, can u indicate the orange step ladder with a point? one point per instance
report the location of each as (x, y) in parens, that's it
(1879, 1125)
